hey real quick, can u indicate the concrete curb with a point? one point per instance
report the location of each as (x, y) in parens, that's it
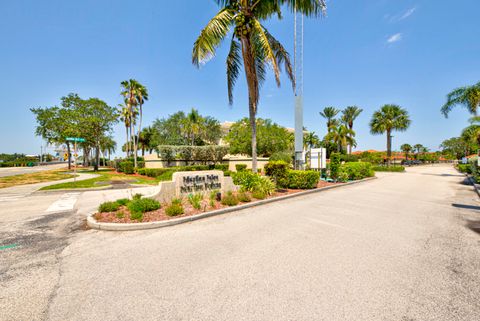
(92, 223)
(476, 186)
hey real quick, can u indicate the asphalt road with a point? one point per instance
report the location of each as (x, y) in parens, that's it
(11, 171)
(402, 247)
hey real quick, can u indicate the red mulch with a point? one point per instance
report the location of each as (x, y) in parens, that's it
(159, 215)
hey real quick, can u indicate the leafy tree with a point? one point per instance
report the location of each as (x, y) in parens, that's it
(349, 115)
(147, 140)
(177, 130)
(468, 97)
(457, 146)
(271, 138)
(251, 45)
(389, 118)
(406, 148)
(329, 113)
(311, 140)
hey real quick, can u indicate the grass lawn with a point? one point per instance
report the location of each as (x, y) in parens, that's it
(33, 178)
(106, 175)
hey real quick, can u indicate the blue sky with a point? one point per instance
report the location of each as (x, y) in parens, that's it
(366, 53)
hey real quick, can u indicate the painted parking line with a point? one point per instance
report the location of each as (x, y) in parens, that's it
(65, 203)
(11, 197)
(9, 246)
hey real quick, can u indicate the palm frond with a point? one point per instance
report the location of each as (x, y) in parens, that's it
(211, 37)
(282, 57)
(234, 62)
(310, 8)
(261, 43)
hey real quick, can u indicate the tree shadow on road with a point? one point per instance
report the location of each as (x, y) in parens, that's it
(468, 207)
(474, 226)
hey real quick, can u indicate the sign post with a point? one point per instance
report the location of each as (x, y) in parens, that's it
(75, 140)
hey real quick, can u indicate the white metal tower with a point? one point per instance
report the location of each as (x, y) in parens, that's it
(298, 65)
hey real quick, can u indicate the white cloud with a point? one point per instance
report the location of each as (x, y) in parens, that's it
(408, 13)
(395, 38)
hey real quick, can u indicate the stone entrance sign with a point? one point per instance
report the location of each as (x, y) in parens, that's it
(198, 182)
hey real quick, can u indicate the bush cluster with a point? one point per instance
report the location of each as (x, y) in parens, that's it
(286, 157)
(195, 200)
(465, 168)
(175, 209)
(395, 168)
(240, 167)
(230, 199)
(334, 165)
(278, 171)
(126, 167)
(253, 182)
(303, 179)
(143, 205)
(355, 171)
(166, 173)
(209, 153)
(108, 207)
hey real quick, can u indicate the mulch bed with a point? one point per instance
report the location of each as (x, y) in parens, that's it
(189, 210)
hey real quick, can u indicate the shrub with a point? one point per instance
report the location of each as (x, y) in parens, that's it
(195, 200)
(465, 168)
(287, 157)
(278, 171)
(136, 216)
(120, 215)
(259, 195)
(250, 182)
(137, 196)
(342, 176)
(221, 167)
(174, 209)
(122, 201)
(229, 199)
(126, 167)
(334, 165)
(358, 170)
(108, 207)
(303, 179)
(143, 205)
(388, 168)
(177, 201)
(244, 197)
(240, 167)
(208, 153)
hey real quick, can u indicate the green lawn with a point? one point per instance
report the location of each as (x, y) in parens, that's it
(106, 175)
(33, 178)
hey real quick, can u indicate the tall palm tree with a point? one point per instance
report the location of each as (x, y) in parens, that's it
(329, 113)
(130, 91)
(342, 136)
(468, 97)
(107, 146)
(406, 148)
(193, 123)
(388, 119)
(125, 117)
(251, 45)
(141, 97)
(349, 115)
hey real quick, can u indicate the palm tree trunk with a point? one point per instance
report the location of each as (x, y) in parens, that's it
(139, 132)
(389, 146)
(127, 147)
(69, 156)
(252, 83)
(351, 140)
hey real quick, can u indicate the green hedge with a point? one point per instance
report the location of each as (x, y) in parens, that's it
(209, 153)
(278, 171)
(355, 171)
(395, 168)
(303, 179)
(240, 167)
(166, 174)
(465, 168)
(286, 156)
(126, 167)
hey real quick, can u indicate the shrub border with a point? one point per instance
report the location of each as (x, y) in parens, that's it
(92, 223)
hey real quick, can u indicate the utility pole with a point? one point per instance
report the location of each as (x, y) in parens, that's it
(298, 65)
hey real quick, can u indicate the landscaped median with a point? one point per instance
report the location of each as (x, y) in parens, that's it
(251, 190)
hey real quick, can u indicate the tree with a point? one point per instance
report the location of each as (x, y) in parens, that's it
(107, 146)
(341, 136)
(406, 148)
(131, 90)
(329, 113)
(311, 140)
(349, 115)
(389, 118)
(193, 122)
(457, 147)
(468, 97)
(271, 137)
(147, 140)
(176, 130)
(251, 45)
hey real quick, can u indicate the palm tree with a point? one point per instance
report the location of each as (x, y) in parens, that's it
(131, 89)
(349, 115)
(342, 136)
(193, 122)
(406, 148)
(146, 141)
(329, 113)
(252, 45)
(125, 117)
(141, 97)
(311, 140)
(468, 96)
(107, 146)
(389, 118)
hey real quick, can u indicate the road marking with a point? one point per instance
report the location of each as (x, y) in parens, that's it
(9, 246)
(65, 203)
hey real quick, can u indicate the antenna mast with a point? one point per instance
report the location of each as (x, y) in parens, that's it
(298, 65)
